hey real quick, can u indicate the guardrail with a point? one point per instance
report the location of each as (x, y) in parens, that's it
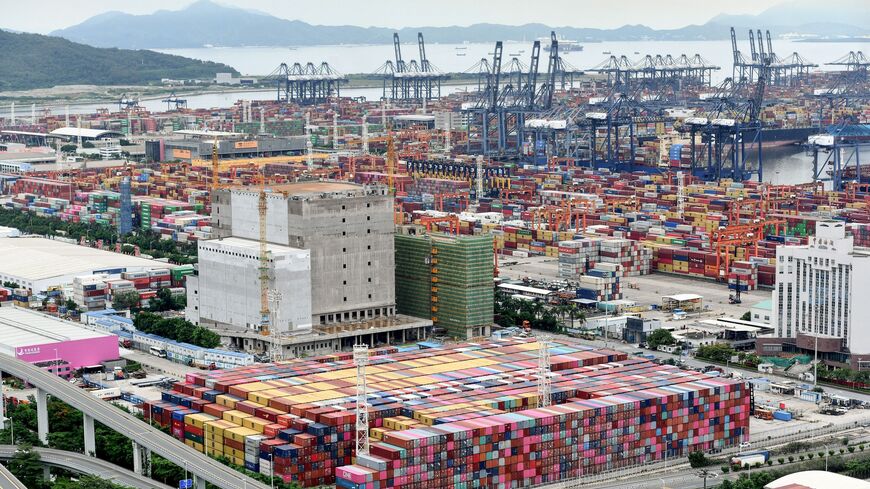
(669, 464)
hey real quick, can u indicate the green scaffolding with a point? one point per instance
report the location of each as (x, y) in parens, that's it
(463, 267)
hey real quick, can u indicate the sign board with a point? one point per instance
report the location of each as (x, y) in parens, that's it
(246, 145)
(185, 484)
(181, 154)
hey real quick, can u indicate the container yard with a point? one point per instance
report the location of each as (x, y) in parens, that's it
(602, 203)
(436, 414)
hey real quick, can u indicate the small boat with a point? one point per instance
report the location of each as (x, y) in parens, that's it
(605, 52)
(460, 54)
(461, 47)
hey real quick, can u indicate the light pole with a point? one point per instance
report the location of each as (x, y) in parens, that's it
(706, 474)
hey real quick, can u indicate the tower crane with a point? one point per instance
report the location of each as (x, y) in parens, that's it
(392, 161)
(264, 267)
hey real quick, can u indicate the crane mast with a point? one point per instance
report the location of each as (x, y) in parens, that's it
(264, 263)
(391, 159)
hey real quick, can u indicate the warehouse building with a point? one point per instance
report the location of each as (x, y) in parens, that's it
(40, 263)
(347, 230)
(448, 279)
(819, 300)
(192, 144)
(226, 293)
(58, 346)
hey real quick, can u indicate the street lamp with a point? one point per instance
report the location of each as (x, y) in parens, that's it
(706, 474)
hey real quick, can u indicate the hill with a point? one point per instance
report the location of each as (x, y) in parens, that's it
(35, 61)
(207, 23)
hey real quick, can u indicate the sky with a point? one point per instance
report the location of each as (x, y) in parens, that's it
(44, 16)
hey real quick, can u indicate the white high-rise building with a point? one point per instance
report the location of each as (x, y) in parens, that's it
(822, 293)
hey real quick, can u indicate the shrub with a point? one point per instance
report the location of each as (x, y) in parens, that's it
(757, 465)
(842, 451)
(821, 454)
(790, 458)
(801, 458)
(845, 441)
(851, 449)
(725, 469)
(780, 460)
(811, 455)
(831, 453)
(769, 462)
(861, 447)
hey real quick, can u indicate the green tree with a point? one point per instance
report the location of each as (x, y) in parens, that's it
(85, 482)
(69, 148)
(697, 459)
(128, 299)
(716, 352)
(747, 316)
(26, 466)
(11, 285)
(660, 337)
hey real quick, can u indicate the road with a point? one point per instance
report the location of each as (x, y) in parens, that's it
(8, 481)
(83, 464)
(698, 363)
(123, 422)
(159, 365)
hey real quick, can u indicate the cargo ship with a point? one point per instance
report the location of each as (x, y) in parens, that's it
(565, 45)
(780, 136)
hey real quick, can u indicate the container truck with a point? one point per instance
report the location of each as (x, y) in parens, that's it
(751, 458)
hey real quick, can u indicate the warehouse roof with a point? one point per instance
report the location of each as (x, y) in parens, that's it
(683, 297)
(33, 259)
(817, 479)
(20, 328)
(83, 132)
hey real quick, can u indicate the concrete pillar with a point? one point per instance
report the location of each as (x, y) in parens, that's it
(198, 482)
(141, 459)
(90, 444)
(403, 336)
(2, 406)
(42, 415)
(46, 473)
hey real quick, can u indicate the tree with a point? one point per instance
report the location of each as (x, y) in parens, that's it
(128, 299)
(716, 352)
(85, 482)
(68, 148)
(697, 459)
(660, 337)
(747, 316)
(71, 305)
(11, 285)
(26, 466)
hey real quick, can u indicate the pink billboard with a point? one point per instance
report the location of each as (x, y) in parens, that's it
(78, 353)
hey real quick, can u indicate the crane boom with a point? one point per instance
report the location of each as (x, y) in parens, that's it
(397, 47)
(424, 61)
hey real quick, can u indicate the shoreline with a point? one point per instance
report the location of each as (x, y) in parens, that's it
(86, 98)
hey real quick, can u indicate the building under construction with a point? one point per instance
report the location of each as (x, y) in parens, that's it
(448, 279)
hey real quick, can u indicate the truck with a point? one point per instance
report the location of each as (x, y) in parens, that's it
(750, 459)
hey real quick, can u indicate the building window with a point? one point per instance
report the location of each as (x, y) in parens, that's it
(344, 265)
(368, 218)
(345, 299)
(343, 220)
(344, 282)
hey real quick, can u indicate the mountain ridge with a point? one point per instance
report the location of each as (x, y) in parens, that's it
(219, 25)
(37, 61)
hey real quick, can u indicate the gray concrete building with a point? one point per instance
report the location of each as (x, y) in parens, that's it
(226, 291)
(348, 229)
(189, 145)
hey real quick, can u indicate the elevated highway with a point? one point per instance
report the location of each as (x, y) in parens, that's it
(8, 481)
(145, 438)
(82, 464)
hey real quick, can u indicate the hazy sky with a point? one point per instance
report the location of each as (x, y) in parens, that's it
(44, 16)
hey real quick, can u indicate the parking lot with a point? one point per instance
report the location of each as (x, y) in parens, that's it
(650, 288)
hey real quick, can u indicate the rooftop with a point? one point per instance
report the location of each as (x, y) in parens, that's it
(308, 188)
(251, 244)
(766, 305)
(33, 259)
(83, 132)
(817, 479)
(20, 328)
